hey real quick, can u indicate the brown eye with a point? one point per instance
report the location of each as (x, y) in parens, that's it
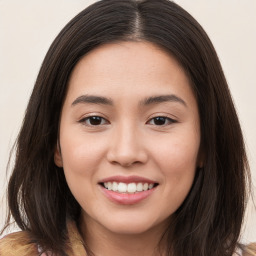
(94, 121)
(161, 121)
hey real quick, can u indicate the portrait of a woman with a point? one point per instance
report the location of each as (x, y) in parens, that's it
(130, 144)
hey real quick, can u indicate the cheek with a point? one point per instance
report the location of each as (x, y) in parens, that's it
(81, 162)
(177, 158)
(178, 169)
(82, 156)
(178, 152)
(81, 153)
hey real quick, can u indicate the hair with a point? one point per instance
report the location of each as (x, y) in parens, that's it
(209, 220)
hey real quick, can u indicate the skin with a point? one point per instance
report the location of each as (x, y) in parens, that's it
(128, 140)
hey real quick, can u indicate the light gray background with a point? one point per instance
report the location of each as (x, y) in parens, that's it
(28, 27)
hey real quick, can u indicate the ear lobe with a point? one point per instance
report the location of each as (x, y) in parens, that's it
(57, 156)
(200, 164)
(200, 159)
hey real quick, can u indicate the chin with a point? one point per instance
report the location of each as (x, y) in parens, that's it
(129, 229)
(134, 226)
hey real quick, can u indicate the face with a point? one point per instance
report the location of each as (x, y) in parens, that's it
(129, 137)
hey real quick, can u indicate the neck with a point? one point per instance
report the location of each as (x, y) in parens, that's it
(103, 242)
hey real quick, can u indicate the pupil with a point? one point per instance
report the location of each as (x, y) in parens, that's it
(160, 120)
(95, 120)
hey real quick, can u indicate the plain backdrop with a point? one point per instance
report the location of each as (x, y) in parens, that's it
(28, 27)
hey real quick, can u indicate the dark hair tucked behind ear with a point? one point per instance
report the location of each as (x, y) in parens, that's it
(209, 220)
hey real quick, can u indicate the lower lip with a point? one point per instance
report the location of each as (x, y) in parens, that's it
(126, 199)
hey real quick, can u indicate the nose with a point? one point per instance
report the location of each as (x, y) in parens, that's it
(126, 147)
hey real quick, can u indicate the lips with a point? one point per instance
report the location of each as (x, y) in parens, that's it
(127, 179)
(127, 190)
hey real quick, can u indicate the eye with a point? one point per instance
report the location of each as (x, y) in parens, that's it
(161, 121)
(94, 121)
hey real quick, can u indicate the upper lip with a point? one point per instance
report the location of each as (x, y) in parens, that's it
(127, 179)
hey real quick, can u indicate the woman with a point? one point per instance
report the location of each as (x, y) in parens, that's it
(130, 144)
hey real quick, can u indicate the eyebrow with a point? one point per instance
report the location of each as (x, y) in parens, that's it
(163, 98)
(92, 99)
(148, 101)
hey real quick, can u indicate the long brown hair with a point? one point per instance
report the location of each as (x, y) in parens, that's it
(209, 220)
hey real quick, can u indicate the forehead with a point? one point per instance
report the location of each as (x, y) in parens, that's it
(128, 68)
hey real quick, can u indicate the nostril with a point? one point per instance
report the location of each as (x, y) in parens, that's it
(126, 154)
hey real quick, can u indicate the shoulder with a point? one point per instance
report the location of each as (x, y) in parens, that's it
(18, 243)
(250, 250)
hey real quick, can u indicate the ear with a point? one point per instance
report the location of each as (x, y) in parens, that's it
(57, 156)
(200, 164)
(200, 158)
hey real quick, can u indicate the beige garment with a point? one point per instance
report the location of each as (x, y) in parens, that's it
(19, 244)
(250, 250)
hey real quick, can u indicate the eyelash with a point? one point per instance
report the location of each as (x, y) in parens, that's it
(167, 120)
(90, 118)
(162, 118)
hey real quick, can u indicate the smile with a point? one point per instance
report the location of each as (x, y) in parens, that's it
(127, 190)
(133, 187)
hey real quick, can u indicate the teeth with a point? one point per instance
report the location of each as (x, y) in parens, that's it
(109, 186)
(145, 186)
(130, 187)
(114, 186)
(122, 187)
(139, 187)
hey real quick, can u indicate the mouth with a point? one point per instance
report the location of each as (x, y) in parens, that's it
(128, 188)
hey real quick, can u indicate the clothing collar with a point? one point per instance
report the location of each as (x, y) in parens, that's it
(75, 240)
